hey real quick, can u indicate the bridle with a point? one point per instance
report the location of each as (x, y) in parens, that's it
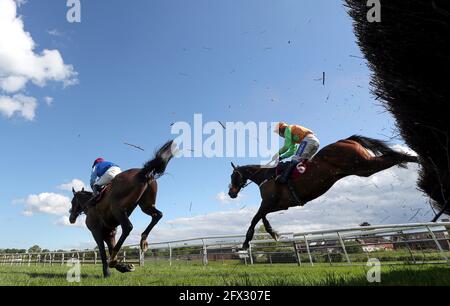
(77, 204)
(249, 179)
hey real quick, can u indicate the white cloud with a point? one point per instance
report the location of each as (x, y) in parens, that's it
(46, 203)
(21, 64)
(21, 2)
(19, 105)
(223, 198)
(48, 100)
(64, 221)
(75, 183)
(54, 32)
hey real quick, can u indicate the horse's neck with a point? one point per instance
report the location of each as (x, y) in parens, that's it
(85, 201)
(255, 173)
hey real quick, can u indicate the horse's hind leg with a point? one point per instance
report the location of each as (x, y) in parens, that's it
(156, 217)
(147, 204)
(372, 165)
(127, 227)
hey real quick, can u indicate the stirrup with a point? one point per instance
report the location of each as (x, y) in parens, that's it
(281, 180)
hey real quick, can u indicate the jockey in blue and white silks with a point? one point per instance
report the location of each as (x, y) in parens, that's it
(103, 172)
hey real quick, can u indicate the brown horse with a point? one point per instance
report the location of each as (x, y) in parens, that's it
(128, 190)
(334, 162)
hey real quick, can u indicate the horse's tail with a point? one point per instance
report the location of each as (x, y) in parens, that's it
(380, 148)
(157, 166)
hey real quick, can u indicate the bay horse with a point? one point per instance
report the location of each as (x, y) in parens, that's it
(357, 155)
(128, 190)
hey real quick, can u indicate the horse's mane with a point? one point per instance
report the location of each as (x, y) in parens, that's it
(86, 193)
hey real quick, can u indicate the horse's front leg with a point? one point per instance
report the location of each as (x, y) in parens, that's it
(269, 229)
(98, 236)
(110, 239)
(156, 217)
(251, 230)
(127, 227)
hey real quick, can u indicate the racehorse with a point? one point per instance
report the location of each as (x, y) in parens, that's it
(128, 190)
(356, 155)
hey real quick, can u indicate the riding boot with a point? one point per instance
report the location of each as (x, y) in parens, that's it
(96, 192)
(284, 177)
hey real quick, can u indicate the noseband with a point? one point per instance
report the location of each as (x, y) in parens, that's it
(77, 204)
(244, 185)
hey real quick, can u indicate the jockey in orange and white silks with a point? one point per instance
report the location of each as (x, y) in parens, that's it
(300, 143)
(103, 173)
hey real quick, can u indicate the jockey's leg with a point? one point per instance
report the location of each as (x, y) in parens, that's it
(105, 179)
(306, 150)
(96, 190)
(303, 156)
(284, 176)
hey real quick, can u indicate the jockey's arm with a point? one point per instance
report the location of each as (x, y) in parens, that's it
(291, 152)
(289, 146)
(93, 177)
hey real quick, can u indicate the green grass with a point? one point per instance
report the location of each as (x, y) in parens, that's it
(231, 274)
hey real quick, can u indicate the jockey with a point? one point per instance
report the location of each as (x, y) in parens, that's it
(103, 173)
(300, 142)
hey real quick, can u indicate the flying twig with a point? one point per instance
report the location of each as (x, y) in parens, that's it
(357, 57)
(134, 146)
(417, 212)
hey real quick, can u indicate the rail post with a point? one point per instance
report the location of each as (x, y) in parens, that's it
(250, 253)
(343, 248)
(29, 260)
(205, 253)
(141, 257)
(433, 236)
(408, 247)
(297, 254)
(170, 254)
(308, 250)
(95, 257)
(62, 259)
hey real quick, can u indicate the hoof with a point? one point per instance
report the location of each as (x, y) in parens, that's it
(276, 236)
(144, 245)
(113, 263)
(106, 274)
(125, 268)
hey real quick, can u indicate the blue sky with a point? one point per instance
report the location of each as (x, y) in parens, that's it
(141, 65)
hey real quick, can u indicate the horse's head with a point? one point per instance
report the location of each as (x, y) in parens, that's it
(238, 181)
(79, 200)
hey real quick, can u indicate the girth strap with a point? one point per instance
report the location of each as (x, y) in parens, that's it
(294, 196)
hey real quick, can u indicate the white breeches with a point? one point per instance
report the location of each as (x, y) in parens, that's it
(307, 148)
(109, 175)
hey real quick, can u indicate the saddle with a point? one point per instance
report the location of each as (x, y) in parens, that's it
(295, 174)
(101, 194)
